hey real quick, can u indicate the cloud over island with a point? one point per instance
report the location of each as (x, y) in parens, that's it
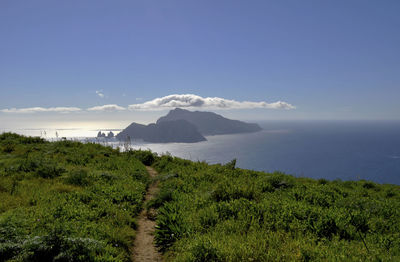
(188, 101)
(107, 108)
(195, 101)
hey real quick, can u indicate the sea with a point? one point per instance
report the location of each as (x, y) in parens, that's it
(345, 150)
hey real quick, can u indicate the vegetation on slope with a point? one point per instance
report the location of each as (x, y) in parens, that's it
(67, 201)
(222, 213)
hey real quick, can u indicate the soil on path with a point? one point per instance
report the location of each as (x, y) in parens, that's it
(144, 249)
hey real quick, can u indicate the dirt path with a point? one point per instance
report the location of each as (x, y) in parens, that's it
(144, 249)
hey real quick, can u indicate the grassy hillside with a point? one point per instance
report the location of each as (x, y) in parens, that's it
(67, 201)
(222, 213)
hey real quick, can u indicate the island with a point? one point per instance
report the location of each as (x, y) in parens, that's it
(164, 132)
(209, 123)
(184, 126)
(103, 135)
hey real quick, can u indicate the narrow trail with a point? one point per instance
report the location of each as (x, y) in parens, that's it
(144, 249)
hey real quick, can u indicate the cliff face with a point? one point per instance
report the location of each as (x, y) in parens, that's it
(209, 123)
(165, 132)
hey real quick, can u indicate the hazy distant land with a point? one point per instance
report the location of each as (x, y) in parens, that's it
(186, 126)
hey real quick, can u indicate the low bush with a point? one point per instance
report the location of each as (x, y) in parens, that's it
(8, 147)
(144, 156)
(49, 169)
(78, 177)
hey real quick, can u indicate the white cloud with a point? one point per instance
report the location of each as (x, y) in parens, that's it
(194, 101)
(107, 108)
(100, 93)
(163, 103)
(40, 109)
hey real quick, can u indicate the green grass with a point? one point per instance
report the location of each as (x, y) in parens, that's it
(67, 201)
(222, 213)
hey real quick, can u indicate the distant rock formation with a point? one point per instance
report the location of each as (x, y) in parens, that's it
(164, 132)
(209, 123)
(100, 134)
(109, 135)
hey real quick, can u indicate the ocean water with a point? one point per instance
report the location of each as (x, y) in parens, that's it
(332, 150)
(346, 150)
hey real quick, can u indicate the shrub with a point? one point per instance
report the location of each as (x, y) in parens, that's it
(164, 195)
(231, 165)
(163, 162)
(275, 181)
(170, 225)
(108, 177)
(29, 164)
(369, 185)
(49, 169)
(230, 191)
(208, 217)
(322, 181)
(57, 247)
(204, 251)
(390, 193)
(21, 139)
(78, 177)
(144, 156)
(326, 227)
(9, 147)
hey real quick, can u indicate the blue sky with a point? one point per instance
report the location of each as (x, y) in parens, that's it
(328, 59)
